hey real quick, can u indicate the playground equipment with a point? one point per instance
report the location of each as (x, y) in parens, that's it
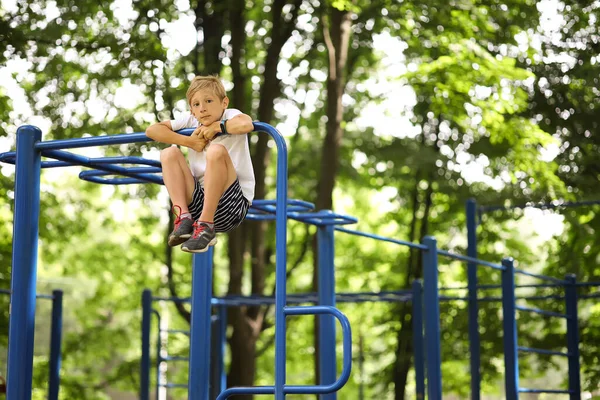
(27, 158)
(55, 343)
(28, 161)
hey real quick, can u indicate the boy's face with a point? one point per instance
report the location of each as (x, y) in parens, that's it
(207, 107)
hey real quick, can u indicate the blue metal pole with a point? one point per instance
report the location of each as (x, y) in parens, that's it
(327, 355)
(280, 256)
(573, 337)
(222, 312)
(24, 264)
(158, 347)
(431, 303)
(419, 349)
(474, 341)
(199, 375)
(511, 355)
(145, 361)
(55, 345)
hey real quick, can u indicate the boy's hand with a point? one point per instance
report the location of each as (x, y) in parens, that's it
(209, 131)
(198, 143)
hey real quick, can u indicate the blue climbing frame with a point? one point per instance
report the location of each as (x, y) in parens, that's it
(55, 340)
(28, 161)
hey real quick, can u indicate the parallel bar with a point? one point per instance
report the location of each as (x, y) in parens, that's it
(175, 358)
(542, 277)
(542, 351)
(474, 339)
(432, 319)
(573, 337)
(88, 162)
(24, 264)
(470, 259)
(326, 287)
(542, 312)
(555, 391)
(199, 370)
(418, 340)
(511, 356)
(382, 238)
(173, 331)
(145, 361)
(55, 345)
(158, 360)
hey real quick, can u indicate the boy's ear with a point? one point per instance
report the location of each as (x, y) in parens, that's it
(225, 101)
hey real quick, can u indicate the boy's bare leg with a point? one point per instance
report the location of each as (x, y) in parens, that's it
(177, 177)
(220, 174)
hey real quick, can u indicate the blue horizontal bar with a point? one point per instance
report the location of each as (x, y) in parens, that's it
(470, 259)
(174, 385)
(542, 351)
(540, 205)
(292, 205)
(10, 158)
(175, 358)
(542, 277)
(38, 296)
(97, 176)
(542, 312)
(523, 390)
(382, 238)
(175, 331)
(586, 284)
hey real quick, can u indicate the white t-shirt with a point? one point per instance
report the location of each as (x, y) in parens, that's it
(236, 145)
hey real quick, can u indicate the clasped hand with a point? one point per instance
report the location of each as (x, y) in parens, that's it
(202, 135)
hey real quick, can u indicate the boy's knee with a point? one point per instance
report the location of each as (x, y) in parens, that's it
(170, 154)
(216, 152)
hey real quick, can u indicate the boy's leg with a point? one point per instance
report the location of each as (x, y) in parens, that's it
(220, 174)
(180, 184)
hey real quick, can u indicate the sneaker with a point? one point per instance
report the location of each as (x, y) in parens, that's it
(202, 237)
(183, 229)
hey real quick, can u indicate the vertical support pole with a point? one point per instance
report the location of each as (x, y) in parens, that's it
(158, 355)
(55, 345)
(222, 312)
(24, 264)
(573, 337)
(474, 341)
(327, 354)
(145, 361)
(361, 367)
(200, 327)
(511, 355)
(432, 319)
(419, 349)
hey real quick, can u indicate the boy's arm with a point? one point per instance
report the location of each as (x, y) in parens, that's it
(239, 125)
(163, 132)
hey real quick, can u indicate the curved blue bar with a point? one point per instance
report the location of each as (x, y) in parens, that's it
(280, 256)
(97, 176)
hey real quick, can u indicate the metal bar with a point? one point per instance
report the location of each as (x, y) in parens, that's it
(418, 341)
(158, 360)
(88, 162)
(432, 319)
(222, 312)
(542, 277)
(541, 205)
(555, 391)
(511, 355)
(174, 331)
(541, 312)
(470, 259)
(145, 360)
(573, 337)
(24, 263)
(542, 351)
(199, 370)
(280, 257)
(474, 339)
(382, 238)
(326, 287)
(55, 345)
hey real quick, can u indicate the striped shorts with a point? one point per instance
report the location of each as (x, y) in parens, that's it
(231, 210)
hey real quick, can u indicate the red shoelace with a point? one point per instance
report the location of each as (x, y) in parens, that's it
(198, 229)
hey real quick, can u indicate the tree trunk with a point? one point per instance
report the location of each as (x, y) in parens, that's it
(209, 20)
(336, 31)
(247, 322)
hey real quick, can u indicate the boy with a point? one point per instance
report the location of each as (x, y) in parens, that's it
(214, 192)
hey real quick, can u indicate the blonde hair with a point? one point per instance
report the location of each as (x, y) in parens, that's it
(211, 82)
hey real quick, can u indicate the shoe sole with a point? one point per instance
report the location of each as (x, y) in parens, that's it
(211, 243)
(177, 240)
